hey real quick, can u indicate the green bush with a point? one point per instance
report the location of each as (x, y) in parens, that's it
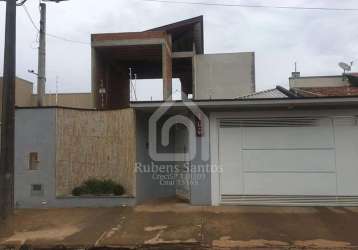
(78, 191)
(98, 187)
(118, 190)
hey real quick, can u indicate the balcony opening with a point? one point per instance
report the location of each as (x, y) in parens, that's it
(152, 89)
(120, 68)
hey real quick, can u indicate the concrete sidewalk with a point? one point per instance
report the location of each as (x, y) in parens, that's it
(180, 226)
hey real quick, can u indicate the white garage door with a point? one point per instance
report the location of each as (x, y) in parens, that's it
(280, 160)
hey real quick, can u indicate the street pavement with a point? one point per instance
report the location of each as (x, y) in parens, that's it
(175, 225)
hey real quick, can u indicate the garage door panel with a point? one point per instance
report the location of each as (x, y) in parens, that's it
(346, 134)
(288, 137)
(231, 161)
(290, 184)
(289, 160)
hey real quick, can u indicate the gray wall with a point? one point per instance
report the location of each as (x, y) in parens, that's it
(35, 131)
(149, 188)
(200, 171)
(224, 76)
(181, 145)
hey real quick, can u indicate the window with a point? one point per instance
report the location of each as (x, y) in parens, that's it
(37, 190)
(33, 161)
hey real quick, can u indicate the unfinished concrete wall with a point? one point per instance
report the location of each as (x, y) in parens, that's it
(147, 54)
(224, 76)
(95, 144)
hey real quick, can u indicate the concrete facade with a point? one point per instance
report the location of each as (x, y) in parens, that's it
(224, 76)
(171, 51)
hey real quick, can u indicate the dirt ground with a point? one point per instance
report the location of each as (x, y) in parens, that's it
(180, 226)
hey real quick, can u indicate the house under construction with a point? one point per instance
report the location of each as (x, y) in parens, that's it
(228, 145)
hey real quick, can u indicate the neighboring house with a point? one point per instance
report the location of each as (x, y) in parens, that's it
(313, 86)
(71, 100)
(23, 92)
(273, 147)
(278, 92)
(24, 97)
(322, 86)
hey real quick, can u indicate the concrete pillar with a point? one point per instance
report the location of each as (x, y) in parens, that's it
(167, 71)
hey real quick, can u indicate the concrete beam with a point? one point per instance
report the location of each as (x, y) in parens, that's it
(129, 42)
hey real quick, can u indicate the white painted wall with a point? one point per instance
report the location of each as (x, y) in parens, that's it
(224, 76)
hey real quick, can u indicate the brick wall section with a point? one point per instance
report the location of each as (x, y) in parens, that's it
(94, 144)
(128, 36)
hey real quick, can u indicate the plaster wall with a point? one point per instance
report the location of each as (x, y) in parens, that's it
(149, 185)
(35, 132)
(224, 76)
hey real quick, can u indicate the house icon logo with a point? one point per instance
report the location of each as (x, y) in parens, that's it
(197, 124)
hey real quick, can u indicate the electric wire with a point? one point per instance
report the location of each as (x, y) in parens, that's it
(49, 34)
(252, 6)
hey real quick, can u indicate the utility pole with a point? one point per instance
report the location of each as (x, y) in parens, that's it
(41, 77)
(8, 122)
(56, 90)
